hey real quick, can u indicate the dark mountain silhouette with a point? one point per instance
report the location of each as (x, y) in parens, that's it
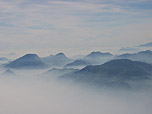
(115, 73)
(28, 61)
(58, 60)
(144, 56)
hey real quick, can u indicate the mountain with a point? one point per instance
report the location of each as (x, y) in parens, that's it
(97, 54)
(98, 58)
(144, 56)
(146, 45)
(27, 61)
(77, 63)
(58, 72)
(94, 58)
(8, 72)
(58, 60)
(116, 73)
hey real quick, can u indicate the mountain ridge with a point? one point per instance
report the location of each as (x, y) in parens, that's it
(58, 60)
(114, 72)
(27, 61)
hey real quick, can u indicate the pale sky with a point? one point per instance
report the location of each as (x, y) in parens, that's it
(73, 26)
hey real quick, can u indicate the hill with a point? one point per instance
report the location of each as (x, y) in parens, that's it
(115, 73)
(144, 56)
(28, 61)
(58, 60)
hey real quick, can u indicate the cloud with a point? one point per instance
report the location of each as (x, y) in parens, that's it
(63, 24)
(32, 93)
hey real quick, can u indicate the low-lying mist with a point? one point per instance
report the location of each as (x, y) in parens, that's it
(32, 93)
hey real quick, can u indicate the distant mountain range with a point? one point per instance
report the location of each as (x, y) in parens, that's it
(58, 60)
(93, 58)
(144, 56)
(99, 69)
(28, 61)
(115, 73)
(61, 61)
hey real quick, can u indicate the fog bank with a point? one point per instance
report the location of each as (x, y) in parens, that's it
(34, 95)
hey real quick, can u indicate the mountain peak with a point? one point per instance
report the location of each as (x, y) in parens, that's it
(60, 54)
(57, 60)
(27, 61)
(95, 53)
(98, 54)
(30, 55)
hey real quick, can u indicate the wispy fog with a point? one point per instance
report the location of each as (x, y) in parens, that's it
(27, 93)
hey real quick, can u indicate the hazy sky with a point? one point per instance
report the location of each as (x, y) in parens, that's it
(73, 26)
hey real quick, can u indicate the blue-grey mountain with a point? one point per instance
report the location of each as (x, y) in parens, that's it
(58, 60)
(115, 73)
(28, 61)
(144, 56)
(97, 54)
(98, 57)
(94, 58)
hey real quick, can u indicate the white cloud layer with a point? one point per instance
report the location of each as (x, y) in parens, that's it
(70, 25)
